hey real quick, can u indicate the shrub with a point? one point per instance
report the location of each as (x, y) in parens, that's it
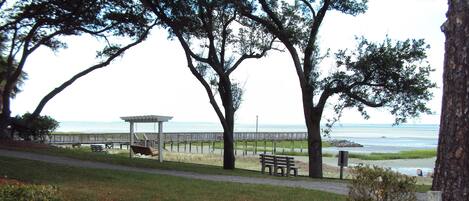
(380, 184)
(28, 192)
(37, 128)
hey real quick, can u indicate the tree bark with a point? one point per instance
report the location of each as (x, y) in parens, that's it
(5, 116)
(452, 164)
(228, 141)
(228, 131)
(314, 147)
(313, 121)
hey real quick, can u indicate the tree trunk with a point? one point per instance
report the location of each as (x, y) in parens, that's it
(452, 164)
(228, 151)
(313, 120)
(5, 116)
(228, 130)
(314, 148)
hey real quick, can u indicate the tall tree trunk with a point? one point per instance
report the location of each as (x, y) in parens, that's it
(5, 115)
(313, 121)
(452, 164)
(314, 147)
(228, 141)
(228, 130)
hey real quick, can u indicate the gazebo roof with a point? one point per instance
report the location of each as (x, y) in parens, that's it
(146, 118)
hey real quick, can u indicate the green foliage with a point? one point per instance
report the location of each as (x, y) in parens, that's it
(381, 184)
(28, 192)
(29, 127)
(393, 75)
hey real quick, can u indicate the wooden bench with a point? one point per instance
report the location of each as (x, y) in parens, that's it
(285, 164)
(143, 150)
(96, 148)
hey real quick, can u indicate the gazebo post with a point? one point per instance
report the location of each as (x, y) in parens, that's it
(131, 139)
(160, 141)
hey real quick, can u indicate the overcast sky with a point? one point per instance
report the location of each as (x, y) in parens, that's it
(153, 78)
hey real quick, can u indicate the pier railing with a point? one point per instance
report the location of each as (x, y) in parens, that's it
(123, 138)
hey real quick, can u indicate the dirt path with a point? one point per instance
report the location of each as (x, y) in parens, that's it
(333, 187)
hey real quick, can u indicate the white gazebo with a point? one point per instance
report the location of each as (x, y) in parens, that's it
(148, 119)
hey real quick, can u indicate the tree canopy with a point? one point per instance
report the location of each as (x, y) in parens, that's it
(216, 41)
(390, 75)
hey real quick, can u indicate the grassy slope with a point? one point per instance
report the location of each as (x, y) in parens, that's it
(92, 184)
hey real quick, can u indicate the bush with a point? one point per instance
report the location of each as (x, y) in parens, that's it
(37, 128)
(23, 192)
(380, 184)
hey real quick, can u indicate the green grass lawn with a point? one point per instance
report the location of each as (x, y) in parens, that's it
(414, 154)
(84, 153)
(92, 184)
(269, 145)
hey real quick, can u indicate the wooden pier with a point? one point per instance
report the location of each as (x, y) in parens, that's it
(122, 138)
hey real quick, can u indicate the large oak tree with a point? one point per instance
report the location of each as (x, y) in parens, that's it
(452, 163)
(215, 42)
(390, 74)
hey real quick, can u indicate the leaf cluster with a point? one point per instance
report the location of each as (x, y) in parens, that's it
(34, 128)
(32, 23)
(394, 75)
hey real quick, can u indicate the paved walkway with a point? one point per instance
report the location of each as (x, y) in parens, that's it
(333, 187)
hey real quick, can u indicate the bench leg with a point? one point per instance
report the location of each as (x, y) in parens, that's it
(282, 171)
(295, 171)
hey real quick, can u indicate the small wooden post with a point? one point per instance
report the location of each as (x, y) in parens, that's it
(160, 141)
(236, 150)
(190, 146)
(274, 146)
(201, 147)
(245, 147)
(131, 138)
(255, 147)
(292, 145)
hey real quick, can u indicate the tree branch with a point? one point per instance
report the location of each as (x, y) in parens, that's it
(362, 100)
(162, 16)
(212, 51)
(224, 37)
(250, 56)
(207, 88)
(312, 37)
(310, 8)
(69, 82)
(271, 14)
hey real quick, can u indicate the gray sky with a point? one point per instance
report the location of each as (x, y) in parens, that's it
(153, 78)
